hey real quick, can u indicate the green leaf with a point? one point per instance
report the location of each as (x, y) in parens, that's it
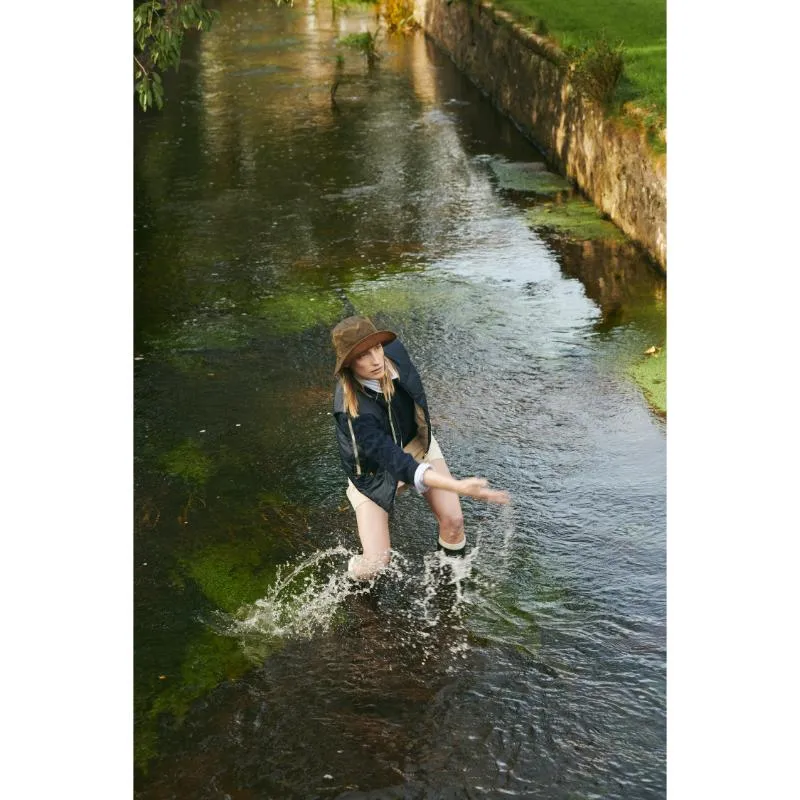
(159, 29)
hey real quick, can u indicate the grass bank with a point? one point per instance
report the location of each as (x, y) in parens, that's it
(650, 372)
(641, 25)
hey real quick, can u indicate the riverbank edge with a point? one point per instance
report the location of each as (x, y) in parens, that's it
(522, 73)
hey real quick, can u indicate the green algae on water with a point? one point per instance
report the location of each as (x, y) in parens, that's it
(189, 462)
(396, 296)
(531, 177)
(376, 299)
(202, 334)
(191, 364)
(234, 574)
(237, 572)
(208, 660)
(294, 312)
(574, 219)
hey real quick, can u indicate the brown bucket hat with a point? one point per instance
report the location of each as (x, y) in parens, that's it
(356, 332)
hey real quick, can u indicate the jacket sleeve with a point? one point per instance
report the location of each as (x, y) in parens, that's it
(378, 446)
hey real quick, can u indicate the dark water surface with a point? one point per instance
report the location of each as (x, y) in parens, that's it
(264, 215)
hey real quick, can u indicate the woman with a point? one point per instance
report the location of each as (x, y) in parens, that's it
(383, 429)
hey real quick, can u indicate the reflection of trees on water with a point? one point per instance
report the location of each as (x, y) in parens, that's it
(266, 132)
(224, 180)
(616, 275)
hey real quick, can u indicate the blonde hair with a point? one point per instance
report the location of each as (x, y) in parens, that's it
(351, 386)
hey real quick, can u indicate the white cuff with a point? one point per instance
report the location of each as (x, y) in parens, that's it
(418, 484)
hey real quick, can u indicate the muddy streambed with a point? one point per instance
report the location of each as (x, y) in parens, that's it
(263, 215)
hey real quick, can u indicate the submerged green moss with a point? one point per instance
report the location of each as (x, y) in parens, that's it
(528, 177)
(145, 744)
(651, 375)
(189, 462)
(189, 363)
(208, 660)
(396, 297)
(233, 574)
(212, 333)
(237, 572)
(575, 219)
(294, 312)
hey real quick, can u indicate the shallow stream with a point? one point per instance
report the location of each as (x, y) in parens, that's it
(264, 214)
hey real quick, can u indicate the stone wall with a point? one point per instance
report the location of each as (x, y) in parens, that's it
(610, 163)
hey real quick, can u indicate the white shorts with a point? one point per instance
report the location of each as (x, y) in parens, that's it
(416, 449)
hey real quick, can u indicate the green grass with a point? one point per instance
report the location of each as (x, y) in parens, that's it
(641, 25)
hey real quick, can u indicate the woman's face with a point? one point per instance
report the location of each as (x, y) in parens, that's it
(369, 364)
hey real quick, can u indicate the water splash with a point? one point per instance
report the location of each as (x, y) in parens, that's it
(303, 599)
(422, 606)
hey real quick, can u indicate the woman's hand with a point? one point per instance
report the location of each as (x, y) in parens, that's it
(479, 489)
(468, 487)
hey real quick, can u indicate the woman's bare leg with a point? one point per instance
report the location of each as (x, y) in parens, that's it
(447, 508)
(373, 530)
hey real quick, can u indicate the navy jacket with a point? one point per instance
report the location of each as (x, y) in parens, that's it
(371, 455)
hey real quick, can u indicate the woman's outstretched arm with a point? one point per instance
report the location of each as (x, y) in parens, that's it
(467, 487)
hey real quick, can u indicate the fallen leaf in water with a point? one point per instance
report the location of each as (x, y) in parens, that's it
(162, 677)
(650, 351)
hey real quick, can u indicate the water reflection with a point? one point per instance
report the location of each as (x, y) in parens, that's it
(615, 275)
